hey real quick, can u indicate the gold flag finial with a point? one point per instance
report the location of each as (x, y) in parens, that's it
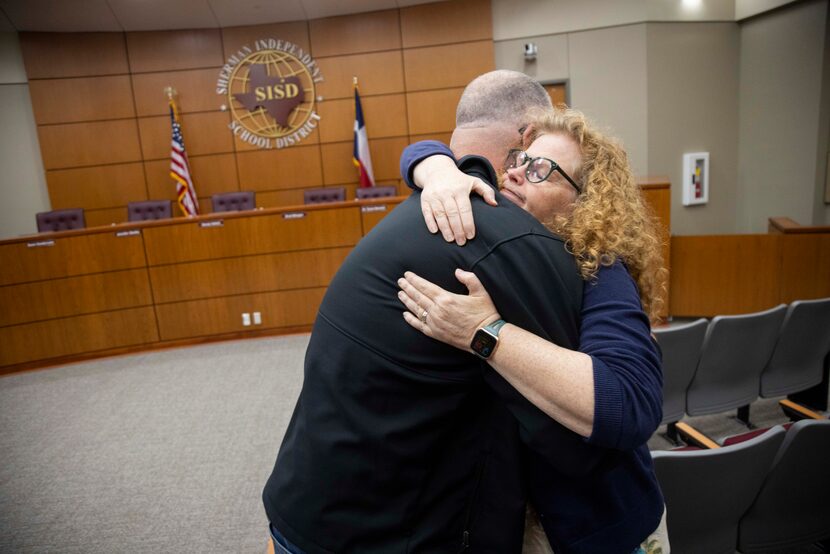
(354, 81)
(170, 92)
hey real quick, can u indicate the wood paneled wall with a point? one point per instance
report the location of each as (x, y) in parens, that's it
(737, 274)
(102, 116)
(657, 194)
(135, 286)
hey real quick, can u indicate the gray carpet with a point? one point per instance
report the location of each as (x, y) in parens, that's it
(158, 452)
(165, 451)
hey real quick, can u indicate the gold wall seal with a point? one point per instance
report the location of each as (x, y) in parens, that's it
(271, 93)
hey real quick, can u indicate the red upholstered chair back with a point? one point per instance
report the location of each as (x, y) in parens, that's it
(376, 192)
(149, 209)
(320, 196)
(61, 220)
(233, 201)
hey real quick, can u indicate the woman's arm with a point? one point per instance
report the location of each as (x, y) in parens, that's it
(628, 377)
(557, 380)
(560, 382)
(445, 200)
(415, 153)
(609, 391)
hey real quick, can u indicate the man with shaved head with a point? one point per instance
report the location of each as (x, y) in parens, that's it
(490, 117)
(489, 121)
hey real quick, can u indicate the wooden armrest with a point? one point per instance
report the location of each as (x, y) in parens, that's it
(797, 410)
(692, 435)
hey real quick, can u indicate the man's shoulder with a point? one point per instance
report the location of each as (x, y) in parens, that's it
(478, 166)
(508, 221)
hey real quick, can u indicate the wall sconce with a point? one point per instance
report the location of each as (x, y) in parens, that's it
(530, 51)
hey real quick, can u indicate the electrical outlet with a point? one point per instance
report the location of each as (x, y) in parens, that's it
(246, 319)
(257, 318)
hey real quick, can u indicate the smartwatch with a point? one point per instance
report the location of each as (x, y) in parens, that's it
(486, 339)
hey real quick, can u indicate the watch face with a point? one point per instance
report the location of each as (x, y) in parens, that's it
(483, 343)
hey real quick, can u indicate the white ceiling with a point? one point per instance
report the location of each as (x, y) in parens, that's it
(152, 15)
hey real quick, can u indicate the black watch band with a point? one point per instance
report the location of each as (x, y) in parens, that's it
(486, 339)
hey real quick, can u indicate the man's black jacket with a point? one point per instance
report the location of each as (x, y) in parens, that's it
(399, 443)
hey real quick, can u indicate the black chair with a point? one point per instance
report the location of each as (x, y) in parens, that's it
(792, 507)
(321, 196)
(233, 201)
(61, 220)
(149, 209)
(681, 346)
(804, 341)
(364, 193)
(708, 491)
(735, 351)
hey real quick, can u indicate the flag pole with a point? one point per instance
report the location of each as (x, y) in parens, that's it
(171, 98)
(361, 157)
(179, 165)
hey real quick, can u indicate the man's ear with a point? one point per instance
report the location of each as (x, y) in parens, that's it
(526, 134)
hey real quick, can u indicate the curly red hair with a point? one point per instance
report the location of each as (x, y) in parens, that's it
(610, 219)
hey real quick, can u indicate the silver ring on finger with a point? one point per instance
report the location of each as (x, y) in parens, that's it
(424, 315)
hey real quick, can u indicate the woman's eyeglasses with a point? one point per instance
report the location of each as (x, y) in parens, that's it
(538, 169)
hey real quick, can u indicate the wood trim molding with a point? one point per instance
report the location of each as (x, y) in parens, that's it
(153, 347)
(692, 435)
(260, 212)
(654, 182)
(803, 412)
(787, 226)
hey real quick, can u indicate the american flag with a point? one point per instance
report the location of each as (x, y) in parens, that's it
(361, 158)
(180, 167)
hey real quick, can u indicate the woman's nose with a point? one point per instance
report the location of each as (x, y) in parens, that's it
(516, 175)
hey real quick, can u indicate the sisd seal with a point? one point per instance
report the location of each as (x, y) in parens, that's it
(270, 90)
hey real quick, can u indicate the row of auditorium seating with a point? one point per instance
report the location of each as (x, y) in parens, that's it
(61, 220)
(765, 494)
(716, 366)
(764, 490)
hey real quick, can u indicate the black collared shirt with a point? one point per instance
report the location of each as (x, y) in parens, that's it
(400, 443)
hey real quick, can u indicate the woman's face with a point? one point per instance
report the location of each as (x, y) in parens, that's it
(553, 196)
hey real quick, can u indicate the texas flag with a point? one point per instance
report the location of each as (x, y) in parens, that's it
(361, 158)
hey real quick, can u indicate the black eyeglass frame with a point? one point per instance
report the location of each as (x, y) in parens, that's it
(529, 160)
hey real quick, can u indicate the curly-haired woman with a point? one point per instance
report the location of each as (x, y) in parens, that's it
(579, 183)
